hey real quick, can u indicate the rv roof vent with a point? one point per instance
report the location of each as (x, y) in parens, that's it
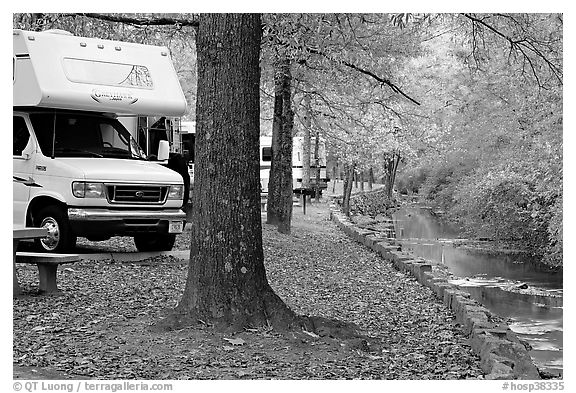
(100, 46)
(58, 31)
(118, 48)
(83, 44)
(164, 53)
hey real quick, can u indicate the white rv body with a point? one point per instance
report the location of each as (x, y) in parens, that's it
(265, 162)
(186, 136)
(297, 163)
(64, 71)
(100, 184)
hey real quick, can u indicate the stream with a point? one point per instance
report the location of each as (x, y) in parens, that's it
(536, 318)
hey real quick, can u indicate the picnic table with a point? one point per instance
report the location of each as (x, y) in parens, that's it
(47, 263)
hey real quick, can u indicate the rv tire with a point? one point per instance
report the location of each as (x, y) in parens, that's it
(60, 237)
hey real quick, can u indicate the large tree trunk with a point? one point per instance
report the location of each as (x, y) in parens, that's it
(347, 191)
(317, 163)
(226, 283)
(390, 169)
(273, 202)
(306, 142)
(371, 178)
(280, 181)
(335, 171)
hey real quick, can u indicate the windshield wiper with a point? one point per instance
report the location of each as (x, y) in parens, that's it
(72, 150)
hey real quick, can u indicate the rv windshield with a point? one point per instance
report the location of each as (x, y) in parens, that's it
(83, 135)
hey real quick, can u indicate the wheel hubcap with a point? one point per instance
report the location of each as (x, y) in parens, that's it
(51, 241)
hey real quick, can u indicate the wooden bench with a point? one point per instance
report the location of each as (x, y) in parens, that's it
(47, 267)
(47, 263)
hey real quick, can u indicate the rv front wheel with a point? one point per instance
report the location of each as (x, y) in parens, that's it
(155, 242)
(60, 237)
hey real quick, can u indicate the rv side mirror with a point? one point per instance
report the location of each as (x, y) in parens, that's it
(163, 150)
(27, 152)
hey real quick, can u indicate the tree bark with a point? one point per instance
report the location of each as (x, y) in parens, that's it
(280, 182)
(334, 171)
(273, 203)
(317, 163)
(371, 178)
(306, 145)
(362, 180)
(390, 172)
(277, 125)
(349, 170)
(226, 283)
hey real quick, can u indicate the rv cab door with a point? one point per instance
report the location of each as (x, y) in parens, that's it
(23, 168)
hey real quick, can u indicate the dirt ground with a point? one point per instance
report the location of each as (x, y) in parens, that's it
(98, 327)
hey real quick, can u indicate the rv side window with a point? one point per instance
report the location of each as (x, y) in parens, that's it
(267, 153)
(21, 135)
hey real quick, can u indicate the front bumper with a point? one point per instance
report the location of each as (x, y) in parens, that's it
(96, 222)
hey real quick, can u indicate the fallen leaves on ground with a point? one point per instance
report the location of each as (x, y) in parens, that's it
(98, 326)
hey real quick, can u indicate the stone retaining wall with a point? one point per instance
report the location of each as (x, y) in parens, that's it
(502, 355)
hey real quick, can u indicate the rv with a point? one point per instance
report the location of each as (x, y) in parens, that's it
(148, 131)
(297, 163)
(77, 171)
(187, 142)
(182, 136)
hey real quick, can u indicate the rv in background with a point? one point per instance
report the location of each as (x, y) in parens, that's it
(186, 142)
(77, 170)
(182, 137)
(297, 163)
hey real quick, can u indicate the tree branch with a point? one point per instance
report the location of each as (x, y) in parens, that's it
(152, 21)
(520, 45)
(193, 22)
(361, 70)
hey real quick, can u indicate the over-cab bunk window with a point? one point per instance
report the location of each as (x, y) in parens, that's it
(106, 73)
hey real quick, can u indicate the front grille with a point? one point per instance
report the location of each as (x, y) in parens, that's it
(136, 194)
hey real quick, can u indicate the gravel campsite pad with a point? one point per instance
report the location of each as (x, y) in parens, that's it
(98, 326)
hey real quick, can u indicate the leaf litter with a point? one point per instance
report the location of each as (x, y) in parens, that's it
(97, 327)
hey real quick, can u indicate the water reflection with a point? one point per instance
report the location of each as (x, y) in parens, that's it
(465, 263)
(535, 319)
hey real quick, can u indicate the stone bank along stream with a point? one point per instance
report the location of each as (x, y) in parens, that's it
(535, 318)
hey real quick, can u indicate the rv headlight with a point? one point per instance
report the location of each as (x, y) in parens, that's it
(82, 189)
(176, 191)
